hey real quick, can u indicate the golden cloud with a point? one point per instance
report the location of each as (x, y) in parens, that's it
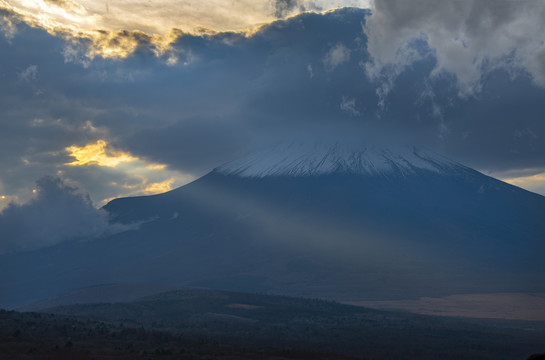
(159, 187)
(140, 176)
(98, 154)
(150, 188)
(115, 29)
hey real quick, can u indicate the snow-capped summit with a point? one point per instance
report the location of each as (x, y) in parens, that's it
(320, 158)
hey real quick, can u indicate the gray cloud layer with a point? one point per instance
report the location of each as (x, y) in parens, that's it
(228, 93)
(263, 82)
(468, 38)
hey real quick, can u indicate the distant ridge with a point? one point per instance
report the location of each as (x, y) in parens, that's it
(107, 293)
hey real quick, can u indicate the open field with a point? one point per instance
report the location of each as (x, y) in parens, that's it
(512, 306)
(206, 324)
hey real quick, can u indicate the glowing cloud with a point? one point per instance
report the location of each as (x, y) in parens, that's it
(159, 187)
(98, 154)
(115, 28)
(135, 176)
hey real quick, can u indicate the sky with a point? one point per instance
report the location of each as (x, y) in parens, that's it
(130, 97)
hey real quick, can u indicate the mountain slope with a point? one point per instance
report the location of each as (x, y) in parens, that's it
(329, 222)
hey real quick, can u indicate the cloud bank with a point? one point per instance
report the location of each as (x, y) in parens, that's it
(118, 28)
(468, 39)
(59, 212)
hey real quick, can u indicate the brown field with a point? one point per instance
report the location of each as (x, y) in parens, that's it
(512, 306)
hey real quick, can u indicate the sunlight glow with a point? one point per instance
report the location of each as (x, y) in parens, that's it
(5, 200)
(534, 183)
(156, 167)
(134, 176)
(147, 187)
(115, 28)
(98, 154)
(159, 187)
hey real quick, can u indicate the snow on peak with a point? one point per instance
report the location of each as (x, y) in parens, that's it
(304, 159)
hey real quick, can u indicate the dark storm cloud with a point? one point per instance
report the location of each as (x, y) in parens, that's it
(210, 98)
(59, 212)
(237, 92)
(195, 145)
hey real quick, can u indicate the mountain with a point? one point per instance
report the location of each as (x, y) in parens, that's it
(339, 220)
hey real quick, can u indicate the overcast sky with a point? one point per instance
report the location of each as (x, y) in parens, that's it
(122, 98)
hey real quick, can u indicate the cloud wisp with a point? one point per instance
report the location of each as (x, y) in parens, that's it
(337, 55)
